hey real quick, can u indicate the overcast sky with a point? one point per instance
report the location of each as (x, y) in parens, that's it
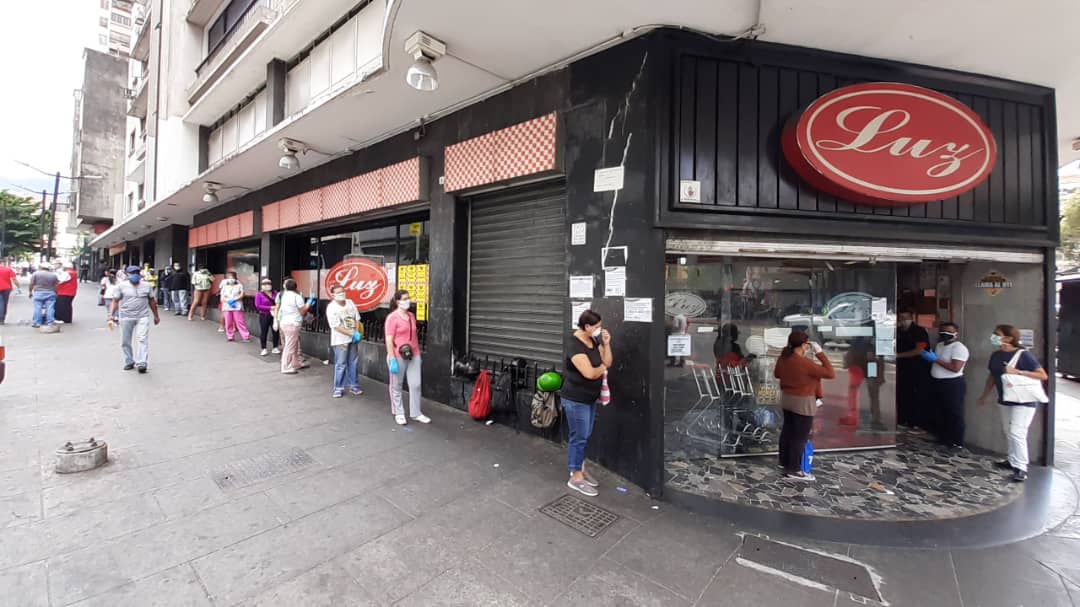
(42, 43)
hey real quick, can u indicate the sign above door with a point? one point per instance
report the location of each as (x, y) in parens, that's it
(889, 144)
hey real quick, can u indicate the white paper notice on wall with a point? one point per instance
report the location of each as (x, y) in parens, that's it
(689, 191)
(879, 308)
(576, 308)
(581, 287)
(1027, 337)
(615, 281)
(608, 180)
(678, 345)
(637, 309)
(577, 233)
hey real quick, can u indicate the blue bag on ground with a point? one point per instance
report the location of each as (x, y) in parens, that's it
(808, 458)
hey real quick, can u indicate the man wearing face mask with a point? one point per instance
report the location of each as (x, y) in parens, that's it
(135, 303)
(345, 335)
(947, 370)
(912, 372)
(179, 285)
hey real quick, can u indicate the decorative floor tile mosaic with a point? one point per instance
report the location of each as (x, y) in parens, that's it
(918, 480)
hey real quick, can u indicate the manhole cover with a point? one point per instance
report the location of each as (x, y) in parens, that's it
(817, 568)
(251, 470)
(580, 515)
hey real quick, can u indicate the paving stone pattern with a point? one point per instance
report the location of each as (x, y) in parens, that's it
(382, 516)
(918, 480)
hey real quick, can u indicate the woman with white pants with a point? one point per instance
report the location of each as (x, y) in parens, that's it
(403, 357)
(1012, 359)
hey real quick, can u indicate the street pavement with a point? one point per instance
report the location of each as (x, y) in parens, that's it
(230, 484)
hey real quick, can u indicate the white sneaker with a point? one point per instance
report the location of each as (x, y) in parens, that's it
(400, 419)
(220, 330)
(423, 419)
(275, 350)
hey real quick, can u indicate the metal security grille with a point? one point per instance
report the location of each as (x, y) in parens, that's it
(517, 275)
(580, 515)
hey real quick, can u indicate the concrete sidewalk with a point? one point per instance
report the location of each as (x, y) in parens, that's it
(230, 484)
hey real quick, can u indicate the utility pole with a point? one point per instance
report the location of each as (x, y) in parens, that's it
(52, 216)
(44, 210)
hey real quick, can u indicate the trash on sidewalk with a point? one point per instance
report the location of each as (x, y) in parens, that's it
(876, 486)
(655, 507)
(621, 489)
(489, 422)
(494, 465)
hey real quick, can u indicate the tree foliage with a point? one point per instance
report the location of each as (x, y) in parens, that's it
(20, 226)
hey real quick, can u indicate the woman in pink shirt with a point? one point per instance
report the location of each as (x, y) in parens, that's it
(403, 351)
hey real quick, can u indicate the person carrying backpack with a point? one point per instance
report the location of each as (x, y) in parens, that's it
(201, 282)
(589, 359)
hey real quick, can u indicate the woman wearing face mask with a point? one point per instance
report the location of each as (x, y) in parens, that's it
(947, 370)
(589, 357)
(232, 306)
(1012, 359)
(291, 309)
(264, 303)
(403, 346)
(800, 382)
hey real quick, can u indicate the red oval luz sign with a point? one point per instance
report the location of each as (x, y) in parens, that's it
(887, 143)
(364, 280)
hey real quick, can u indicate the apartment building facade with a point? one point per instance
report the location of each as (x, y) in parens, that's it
(512, 168)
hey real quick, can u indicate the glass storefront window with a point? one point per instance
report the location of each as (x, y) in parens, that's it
(395, 246)
(734, 314)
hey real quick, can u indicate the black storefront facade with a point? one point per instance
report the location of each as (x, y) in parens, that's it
(503, 233)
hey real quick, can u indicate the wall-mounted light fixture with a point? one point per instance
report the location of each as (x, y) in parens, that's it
(424, 50)
(210, 190)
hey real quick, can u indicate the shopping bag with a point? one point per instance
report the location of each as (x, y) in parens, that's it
(808, 458)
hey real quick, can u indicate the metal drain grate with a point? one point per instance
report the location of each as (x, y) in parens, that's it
(248, 471)
(580, 515)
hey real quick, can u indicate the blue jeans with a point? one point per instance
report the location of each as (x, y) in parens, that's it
(139, 332)
(48, 300)
(579, 420)
(346, 357)
(4, 296)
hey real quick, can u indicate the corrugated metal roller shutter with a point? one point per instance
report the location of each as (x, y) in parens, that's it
(517, 275)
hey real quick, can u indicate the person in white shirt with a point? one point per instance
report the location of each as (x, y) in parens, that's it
(345, 335)
(289, 317)
(947, 370)
(232, 307)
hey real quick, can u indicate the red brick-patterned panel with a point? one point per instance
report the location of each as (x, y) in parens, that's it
(470, 163)
(363, 192)
(270, 217)
(400, 183)
(288, 213)
(311, 207)
(247, 224)
(192, 242)
(526, 148)
(336, 200)
(522, 149)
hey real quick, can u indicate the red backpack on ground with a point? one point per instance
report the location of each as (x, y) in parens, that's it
(480, 401)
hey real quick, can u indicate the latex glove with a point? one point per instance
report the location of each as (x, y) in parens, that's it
(356, 336)
(928, 356)
(232, 303)
(816, 347)
(311, 302)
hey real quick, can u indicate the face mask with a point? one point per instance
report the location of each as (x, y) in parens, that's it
(404, 304)
(339, 297)
(268, 287)
(232, 281)
(995, 340)
(176, 266)
(946, 336)
(596, 334)
(905, 324)
(134, 279)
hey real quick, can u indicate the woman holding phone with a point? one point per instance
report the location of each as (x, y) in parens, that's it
(589, 358)
(800, 383)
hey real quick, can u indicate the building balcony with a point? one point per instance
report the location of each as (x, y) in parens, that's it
(138, 99)
(254, 23)
(201, 11)
(272, 29)
(140, 47)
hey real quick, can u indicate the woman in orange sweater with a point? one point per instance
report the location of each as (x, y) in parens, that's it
(800, 382)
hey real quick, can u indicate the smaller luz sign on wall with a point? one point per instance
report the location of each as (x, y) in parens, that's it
(891, 144)
(365, 282)
(994, 283)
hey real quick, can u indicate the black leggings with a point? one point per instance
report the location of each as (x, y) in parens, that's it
(793, 437)
(266, 328)
(950, 404)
